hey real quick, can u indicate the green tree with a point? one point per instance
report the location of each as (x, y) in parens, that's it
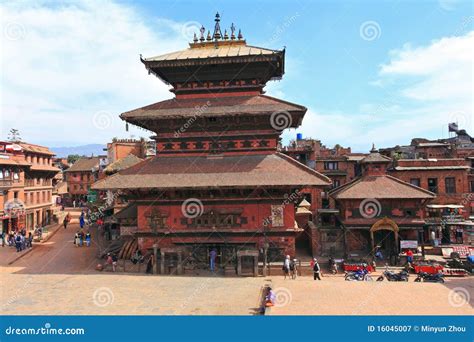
(72, 158)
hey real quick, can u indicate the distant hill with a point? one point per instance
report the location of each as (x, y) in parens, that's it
(86, 150)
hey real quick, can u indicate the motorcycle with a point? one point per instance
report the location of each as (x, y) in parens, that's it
(359, 275)
(392, 276)
(431, 278)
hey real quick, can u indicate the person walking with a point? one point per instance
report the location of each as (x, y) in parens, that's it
(66, 220)
(293, 269)
(88, 239)
(18, 242)
(82, 220)
(213, 256)
(316, 269)
(2, 235)
(29, 241)
(76, 239)
(286, 267)
(149, 265)
(114, 262)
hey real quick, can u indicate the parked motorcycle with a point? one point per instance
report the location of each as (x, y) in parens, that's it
(458, 263)
(359, 275)
(431, 278)
(392, 276)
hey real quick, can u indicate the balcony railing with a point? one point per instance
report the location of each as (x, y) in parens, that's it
(4, 183)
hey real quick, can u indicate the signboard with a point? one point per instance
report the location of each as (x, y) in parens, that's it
(91, 196)
(408, 244)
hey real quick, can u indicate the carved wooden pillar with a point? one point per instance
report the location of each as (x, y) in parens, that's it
(239, 265)
(180, 265)
(255, 266)
(162, 268)
(372, 242)
(396, 241)
(155, 254)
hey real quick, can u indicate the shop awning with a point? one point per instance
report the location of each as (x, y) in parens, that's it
(444, 206)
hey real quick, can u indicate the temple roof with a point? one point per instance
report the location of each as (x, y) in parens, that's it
(212, 106)
(214, 171)
(213, 50)
(230, 53)
(382, 186)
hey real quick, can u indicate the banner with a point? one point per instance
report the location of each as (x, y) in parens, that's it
(236, 328)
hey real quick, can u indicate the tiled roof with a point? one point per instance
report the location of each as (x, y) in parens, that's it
(222, 50)
(14, 162)
(375, 157)
(213, 106)
(35, 148)
(224, 171)
(383, 186)
(44, 168)
(123, 163)
(84, 164)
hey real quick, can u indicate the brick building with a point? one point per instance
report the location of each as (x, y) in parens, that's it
(375, 209)
(448, 215)
(217, 181)
(81, 175)
(26, 179)
(121, 148)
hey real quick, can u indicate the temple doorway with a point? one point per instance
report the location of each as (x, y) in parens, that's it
(384, 236)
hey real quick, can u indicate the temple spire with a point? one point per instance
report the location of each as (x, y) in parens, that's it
(217, 28)
(232, 31)
(202, 30)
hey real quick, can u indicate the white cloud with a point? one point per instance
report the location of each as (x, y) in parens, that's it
(63, 64)
(445, 68)
(424, 88)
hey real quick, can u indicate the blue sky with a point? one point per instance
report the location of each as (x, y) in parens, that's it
(368, 71)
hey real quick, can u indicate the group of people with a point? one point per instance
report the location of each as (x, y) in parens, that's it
(290, 268)
(18, 239)
(81, 238)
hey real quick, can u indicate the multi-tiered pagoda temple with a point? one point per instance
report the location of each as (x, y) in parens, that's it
(217, 181)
